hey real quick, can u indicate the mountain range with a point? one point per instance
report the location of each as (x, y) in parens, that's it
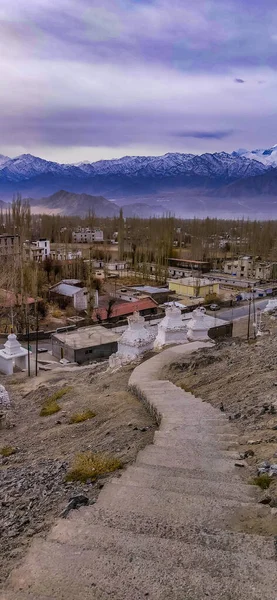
(239, 182)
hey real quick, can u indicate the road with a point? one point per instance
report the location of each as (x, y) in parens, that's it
(237, 312)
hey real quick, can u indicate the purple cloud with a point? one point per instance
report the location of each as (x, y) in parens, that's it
(129, 73)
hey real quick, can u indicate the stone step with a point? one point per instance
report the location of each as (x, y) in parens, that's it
(161, 439)
(130, 502)
(193, 473)
(108, 564)
(219, 461)
(147, 477)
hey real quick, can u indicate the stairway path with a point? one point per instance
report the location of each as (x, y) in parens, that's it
(160, 531)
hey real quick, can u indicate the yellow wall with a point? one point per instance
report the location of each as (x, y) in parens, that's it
(190, 290)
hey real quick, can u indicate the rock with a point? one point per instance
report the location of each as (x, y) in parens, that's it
(239, 464)
(248, 454)
(58, 422)
(74, 502)
(273, 470)
(272, 410)
(265, 499)
(273, 502)
(274, 428)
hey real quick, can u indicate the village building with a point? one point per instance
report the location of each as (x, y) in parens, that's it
(121, 309)
(194, 287)
(67, 293)
(85, 235)
(248, 267)
(63, 254)
(132, 294)
(9, 246)
(202, 266)
(37, 251)
(84, 345)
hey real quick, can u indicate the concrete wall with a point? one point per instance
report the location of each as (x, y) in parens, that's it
(102, 351)
(80, 301)
(190, 290)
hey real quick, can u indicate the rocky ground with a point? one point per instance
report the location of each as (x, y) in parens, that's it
(240, 378)
(32, 480)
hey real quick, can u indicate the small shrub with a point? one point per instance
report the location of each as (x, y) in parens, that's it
(7, 451)
(51, 406)
(263, 481)
(57, 313)
(80, 417)
(88, 465)
(59, 394)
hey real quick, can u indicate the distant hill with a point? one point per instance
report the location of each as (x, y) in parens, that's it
(68, 203)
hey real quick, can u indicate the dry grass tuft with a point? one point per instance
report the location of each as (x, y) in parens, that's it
(51, 406)
(263, 481)
(7, 451)
(88, 465)
(80, 417)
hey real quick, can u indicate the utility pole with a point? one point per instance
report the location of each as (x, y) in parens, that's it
(249, 315)
(254, 315)
(28, 344)
(36, 338)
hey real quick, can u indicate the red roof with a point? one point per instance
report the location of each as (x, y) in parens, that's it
(125, 308)
(8, 298)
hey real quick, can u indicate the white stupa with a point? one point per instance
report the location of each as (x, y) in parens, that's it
(198, 326)
(12, 355)
(271, 305)
(172, 329)
(135, 341)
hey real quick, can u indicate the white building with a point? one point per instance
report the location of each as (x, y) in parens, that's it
(69, 295)
(63, 254)
(85, 235)
(249, 267)
(37, 251)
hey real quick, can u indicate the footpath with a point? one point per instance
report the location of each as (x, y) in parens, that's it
(160, 531)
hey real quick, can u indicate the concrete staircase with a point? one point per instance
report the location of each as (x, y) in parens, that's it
(162, 530)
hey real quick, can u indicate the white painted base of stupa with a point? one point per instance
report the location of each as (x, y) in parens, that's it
(13, 355)
(134, 342)
(171, 330)
(197, 328)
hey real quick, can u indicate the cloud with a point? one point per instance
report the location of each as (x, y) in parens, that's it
(205, 135)
(81, 73)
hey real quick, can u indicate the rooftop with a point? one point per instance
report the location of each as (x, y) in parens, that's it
(149, 289)
(64, 289)
(194, 281)
(86, 337)
(120, 309)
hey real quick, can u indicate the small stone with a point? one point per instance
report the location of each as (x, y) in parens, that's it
(143, 428)
(130, 424)
(58, 422)
(135, 428)
(265, 500)
(274, 428)
(273, 502)
(239, 464)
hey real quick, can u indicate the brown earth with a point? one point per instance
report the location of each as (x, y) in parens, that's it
(32, 481)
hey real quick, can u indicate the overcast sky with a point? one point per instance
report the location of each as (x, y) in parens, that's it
(92, 79)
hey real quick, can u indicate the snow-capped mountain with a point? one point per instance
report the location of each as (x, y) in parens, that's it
(267, 156)
(136, 179)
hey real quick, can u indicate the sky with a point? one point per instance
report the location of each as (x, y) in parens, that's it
(93, 79)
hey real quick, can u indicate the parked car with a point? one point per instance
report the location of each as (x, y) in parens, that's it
(42, 350)
(214, 307)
